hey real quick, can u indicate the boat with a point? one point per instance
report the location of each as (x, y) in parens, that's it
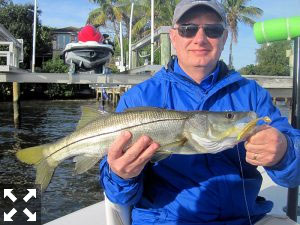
(87, 56)
(91, 53)
(104, 212)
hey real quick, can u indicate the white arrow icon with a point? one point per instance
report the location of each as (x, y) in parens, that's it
(7, 193)
(31, 193)
(31, 216)
(8, 216)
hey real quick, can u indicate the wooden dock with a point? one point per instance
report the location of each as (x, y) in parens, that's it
(280, 87)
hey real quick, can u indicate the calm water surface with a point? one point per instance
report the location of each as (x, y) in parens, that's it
(43, 122)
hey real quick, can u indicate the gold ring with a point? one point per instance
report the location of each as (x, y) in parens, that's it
(255, 156)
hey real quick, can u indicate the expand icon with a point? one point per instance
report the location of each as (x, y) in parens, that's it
(9, 216)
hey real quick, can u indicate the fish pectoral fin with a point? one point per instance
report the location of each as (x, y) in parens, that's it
(84, 163)
(167, 150)
(158, 156)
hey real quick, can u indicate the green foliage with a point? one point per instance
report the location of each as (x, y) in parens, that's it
(249, 70)
(271, 60)
(55, 65)
(5, 91)
(55, 91)
(18, 20)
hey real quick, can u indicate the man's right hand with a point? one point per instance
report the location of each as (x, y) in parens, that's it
(128, 164)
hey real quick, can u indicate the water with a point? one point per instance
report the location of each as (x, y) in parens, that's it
(43, 122)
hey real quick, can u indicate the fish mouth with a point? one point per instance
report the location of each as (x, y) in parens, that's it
(249, 127)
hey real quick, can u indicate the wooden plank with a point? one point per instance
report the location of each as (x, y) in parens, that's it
(278, 86)
(7, 70)
(145, 68)
(116, 79)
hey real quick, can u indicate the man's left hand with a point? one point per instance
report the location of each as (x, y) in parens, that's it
(266, 147)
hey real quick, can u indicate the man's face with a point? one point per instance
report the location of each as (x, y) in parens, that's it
(200, 50)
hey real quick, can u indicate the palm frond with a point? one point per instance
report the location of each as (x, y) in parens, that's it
(247, 20)
(117, 13)
(238, 11)
(139, 26)
(252, 11)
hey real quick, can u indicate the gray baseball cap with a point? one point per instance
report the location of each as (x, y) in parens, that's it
(184, 5)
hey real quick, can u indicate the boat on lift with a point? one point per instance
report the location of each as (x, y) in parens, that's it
(91, 53)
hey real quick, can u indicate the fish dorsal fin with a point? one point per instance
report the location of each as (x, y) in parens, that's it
(142, 108)
(89, 114)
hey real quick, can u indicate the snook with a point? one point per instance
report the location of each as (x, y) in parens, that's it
(177, 132)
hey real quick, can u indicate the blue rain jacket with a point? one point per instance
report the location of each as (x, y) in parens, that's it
(205, 188)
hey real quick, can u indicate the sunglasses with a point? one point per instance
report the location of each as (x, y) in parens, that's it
(210, 30)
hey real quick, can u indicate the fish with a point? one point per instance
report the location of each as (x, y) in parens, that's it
(177, 132)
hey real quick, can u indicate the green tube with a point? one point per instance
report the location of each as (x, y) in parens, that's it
(277, 29)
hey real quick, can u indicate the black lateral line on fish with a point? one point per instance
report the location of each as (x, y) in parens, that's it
(110, 133)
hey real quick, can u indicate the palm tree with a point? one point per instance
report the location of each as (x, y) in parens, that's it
(163, 15)
(238, 11)
(109, 10)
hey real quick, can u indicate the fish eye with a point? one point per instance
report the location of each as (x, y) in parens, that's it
(229, 115)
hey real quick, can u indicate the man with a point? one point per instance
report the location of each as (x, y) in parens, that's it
(209, 188)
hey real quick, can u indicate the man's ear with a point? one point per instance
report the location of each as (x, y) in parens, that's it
(225, 36)
(172, 35)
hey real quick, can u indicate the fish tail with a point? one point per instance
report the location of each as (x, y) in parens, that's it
(45, 165)
(33, 155)
(44, 173)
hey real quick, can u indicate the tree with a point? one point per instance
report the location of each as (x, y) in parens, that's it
(238, 12)
(108, 10)
(163, 15)
(18, 20)
(271, 60)
(249, 70)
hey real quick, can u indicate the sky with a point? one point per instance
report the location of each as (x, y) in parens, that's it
(63, 13)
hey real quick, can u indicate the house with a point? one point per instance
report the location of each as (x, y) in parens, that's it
(61, 37)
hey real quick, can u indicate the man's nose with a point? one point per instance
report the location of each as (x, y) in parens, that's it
(200, 36)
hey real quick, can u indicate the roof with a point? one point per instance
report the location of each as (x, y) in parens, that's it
(5, 35)
(66, 30)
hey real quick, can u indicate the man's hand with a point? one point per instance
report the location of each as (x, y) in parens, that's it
(129, 164)
(266, 147)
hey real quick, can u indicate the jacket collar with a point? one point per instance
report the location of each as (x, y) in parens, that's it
(225, 77)
(223, 69)
(206, 84)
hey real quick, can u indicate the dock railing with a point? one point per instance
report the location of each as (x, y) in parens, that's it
(162, 40)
